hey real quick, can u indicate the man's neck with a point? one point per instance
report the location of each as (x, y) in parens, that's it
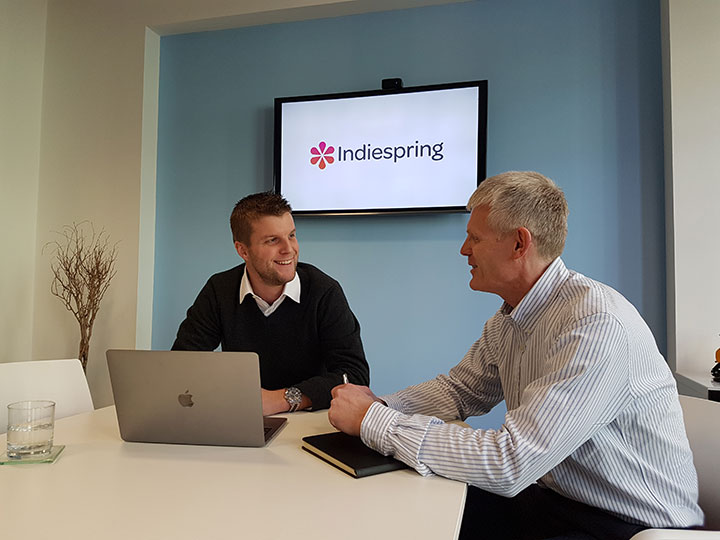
(526, 278)
(269, 293)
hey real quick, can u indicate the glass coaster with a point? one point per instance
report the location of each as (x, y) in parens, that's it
(50, 457)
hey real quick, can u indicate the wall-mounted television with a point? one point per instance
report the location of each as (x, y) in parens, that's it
(405, 150)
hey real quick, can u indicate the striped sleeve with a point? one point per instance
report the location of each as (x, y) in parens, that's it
(560, 411)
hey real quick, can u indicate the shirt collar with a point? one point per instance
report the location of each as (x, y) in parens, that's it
(291, 289)
(530, 308)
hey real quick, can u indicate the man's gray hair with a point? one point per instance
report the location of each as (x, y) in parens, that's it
(525, 199)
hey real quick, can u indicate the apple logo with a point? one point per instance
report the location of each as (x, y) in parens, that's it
(186, 399)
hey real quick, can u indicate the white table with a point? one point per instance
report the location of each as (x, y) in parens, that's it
(104, 488)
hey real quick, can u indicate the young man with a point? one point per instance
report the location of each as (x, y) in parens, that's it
(293, 315)
(593, 444)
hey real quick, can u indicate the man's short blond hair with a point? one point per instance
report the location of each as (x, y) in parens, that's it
(253, 207)
(525, 199)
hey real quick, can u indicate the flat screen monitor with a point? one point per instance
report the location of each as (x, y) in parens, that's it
(407, 150)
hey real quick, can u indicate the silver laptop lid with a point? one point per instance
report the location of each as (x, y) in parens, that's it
(188, 397)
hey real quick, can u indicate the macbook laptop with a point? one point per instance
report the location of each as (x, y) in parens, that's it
(190, 397)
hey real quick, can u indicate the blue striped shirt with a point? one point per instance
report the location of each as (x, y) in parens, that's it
(593, 411)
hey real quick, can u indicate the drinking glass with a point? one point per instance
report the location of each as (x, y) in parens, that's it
(30, 428)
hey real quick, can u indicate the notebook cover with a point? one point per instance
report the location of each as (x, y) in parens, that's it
(350, 454)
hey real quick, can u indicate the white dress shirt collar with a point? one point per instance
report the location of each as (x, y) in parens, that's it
(530, 309)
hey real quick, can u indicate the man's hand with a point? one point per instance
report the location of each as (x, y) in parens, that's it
(348, 407)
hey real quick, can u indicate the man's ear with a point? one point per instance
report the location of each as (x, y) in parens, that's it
(523, 240)
(242, 250)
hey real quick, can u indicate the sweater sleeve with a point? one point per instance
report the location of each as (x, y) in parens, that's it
(341, 349)
(201, 329)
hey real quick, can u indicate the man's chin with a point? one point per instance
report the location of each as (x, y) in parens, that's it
(283, 276)
(277, 279)
(288, 272)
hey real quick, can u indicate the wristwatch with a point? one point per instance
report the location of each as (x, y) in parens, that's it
(294, 397)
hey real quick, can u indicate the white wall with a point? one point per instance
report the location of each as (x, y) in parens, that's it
(691, 34)
(85, 157)
(22, 49)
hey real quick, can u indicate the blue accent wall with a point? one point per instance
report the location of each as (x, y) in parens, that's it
(574, 92)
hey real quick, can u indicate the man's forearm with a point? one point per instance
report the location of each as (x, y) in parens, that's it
(274, 402)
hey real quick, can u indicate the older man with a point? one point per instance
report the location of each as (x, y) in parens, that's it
(293, 315)
(593, 444)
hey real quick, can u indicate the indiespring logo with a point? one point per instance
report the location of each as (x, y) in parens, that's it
(320, 154)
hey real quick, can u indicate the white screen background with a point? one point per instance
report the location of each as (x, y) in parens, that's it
(449, 116)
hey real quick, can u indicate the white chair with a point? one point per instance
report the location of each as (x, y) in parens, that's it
(61, 381)
(702, 423)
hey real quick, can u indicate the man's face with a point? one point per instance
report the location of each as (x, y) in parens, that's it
(272, 254)
(488, 253)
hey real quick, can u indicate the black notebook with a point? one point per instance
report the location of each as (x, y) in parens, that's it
(349, 454)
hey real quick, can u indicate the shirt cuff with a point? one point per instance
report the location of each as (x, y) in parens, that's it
(376, 425)
(393, 433)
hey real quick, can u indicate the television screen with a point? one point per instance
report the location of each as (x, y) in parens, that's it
(419, 149)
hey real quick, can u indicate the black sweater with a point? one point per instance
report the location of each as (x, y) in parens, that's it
(307, 345)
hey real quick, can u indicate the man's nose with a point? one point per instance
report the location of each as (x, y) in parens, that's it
(285, 245)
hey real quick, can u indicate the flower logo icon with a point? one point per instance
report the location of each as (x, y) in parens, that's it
(320, 155)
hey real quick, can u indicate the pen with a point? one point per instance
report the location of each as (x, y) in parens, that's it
(345, 378)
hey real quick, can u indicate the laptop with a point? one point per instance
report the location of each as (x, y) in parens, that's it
(190, 397)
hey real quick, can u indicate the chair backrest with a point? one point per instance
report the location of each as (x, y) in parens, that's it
(702, 423)
(61, 381)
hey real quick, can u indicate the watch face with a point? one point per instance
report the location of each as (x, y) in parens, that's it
(293, 396)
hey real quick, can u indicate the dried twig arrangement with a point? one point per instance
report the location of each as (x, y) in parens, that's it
(83, 265)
